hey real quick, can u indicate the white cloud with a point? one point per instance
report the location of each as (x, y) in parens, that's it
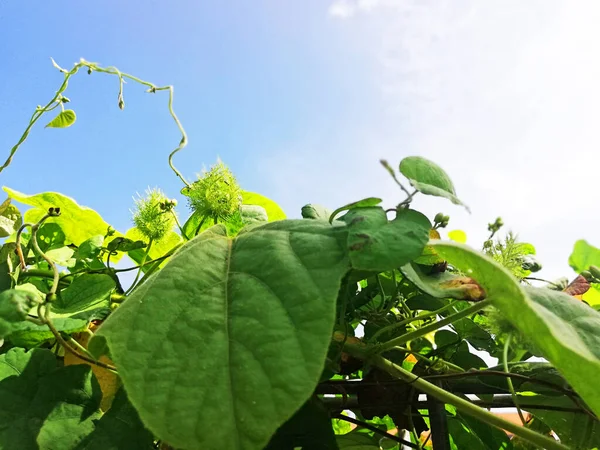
(505, 95)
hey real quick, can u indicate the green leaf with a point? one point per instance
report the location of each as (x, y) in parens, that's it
(158, 249)
(28, 334)
(195, 224)
(583, 256)
(364, 203)
(123, 244)
(565, 330)
(14, 306)
(85, 292)
(576, 430)
(119, 429)
(90, 248)
(357, 441)
(378, 244)
(253, 214)
(77, 222)
(240, 326)
(64, 119)
(274, 211)
(62, 256)
(309, 428)
(443, 285)
(10, 220)
(44, 407)
(317, 212)
(429, 178)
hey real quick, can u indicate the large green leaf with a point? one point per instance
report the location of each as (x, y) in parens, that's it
(576, 430)
(309, 428)
(231, 335)
(78, 222)
(45, 407)
(378, 244)
(119, 429)
(85, 292)
(429, 178)
(565, 330)
(274, 211)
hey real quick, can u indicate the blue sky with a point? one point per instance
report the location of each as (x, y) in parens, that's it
(301, 99)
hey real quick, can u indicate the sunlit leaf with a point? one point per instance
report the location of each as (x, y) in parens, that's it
(563, 329)
(429, 178)
(64, 119)
(253, 321)
(77, 222)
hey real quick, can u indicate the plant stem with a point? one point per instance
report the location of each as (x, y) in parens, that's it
(509, 382)
(422, 316)
(137, 276)
(374, 429)
(461, 404)
(431, 327)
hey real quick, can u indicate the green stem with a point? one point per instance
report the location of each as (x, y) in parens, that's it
(422, 316)
(139, 272)
(462, 405)
(431, 327)
(509, 382)
(92, 67)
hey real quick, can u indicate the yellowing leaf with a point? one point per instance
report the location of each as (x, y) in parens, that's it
(458, 236)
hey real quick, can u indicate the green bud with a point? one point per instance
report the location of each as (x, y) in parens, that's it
(439, 218)
(444, 224)
(595, 271)
(151, 219)
(587, 275)
(216, 194)
(488, 244)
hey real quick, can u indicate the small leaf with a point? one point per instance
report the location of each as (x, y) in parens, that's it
(10, 220)
(378, 244)
(583, 256)
(429, 178)
(364, 203)
(274, 211)
(123, 244)
(227, 323)
(253, 214)
(578, 286)
(444, 285)
(317, 212)
(14, 306)
(458, 236)
(64, 119)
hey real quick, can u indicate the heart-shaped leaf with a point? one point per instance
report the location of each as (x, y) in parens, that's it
(64, 119)
(565, 330)
(231, 335)
(429, 178)
(378, 244)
